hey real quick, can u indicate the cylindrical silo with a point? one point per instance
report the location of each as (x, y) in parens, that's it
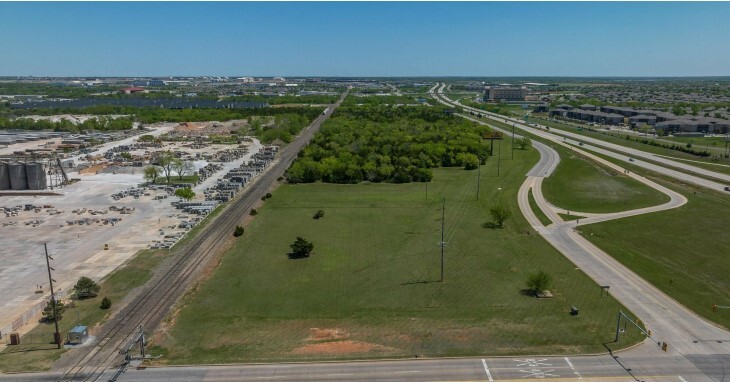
(36, 176)
(4, 176)
(18, 179)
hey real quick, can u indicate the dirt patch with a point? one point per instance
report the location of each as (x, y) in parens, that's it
(93, 169)
(339, 348)
(317, 334)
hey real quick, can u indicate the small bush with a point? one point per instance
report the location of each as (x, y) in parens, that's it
(538, 281)
(263, 198)
(253, 212)
(268, 195)
(106, 303)
(238, 231)
(319, 214)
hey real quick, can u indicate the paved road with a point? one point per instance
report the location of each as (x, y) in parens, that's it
(634, 365)
(619, 152)
(687, 334)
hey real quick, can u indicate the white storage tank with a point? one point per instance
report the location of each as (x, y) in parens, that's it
(36, 176)
(18, 178)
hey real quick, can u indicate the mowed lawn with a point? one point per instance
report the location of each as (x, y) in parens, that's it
(582, 185)
(371, 290)
(683, 251)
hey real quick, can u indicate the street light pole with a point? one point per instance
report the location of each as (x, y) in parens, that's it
(479, 175)
(56, 334)
(513, 141)
(499, 155)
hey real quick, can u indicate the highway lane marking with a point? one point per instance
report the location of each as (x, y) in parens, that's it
(681, 379)
(277, 376)
(407, 371)
(338, 375)
(489, 375)
(573, 368)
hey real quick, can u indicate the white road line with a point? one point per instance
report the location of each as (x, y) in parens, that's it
(338, 375)
(573, 368)
(407, 371)
(489, 375)
(681, 379)
(279, 376)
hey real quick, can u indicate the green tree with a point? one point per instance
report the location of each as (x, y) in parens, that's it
(167, 163)
(301, 248)
(468, 160)
(151, 173)
(238, 231)
(86, 287)
(147, 138)
(537, 282)
(523, 143)
(186, 193)
(500, 214)
(182, 167)
(106, 303)
(48, 315)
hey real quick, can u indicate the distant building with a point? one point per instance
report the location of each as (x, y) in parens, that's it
(495, 94)
(541, 108)
(133, 89)
(588, 107)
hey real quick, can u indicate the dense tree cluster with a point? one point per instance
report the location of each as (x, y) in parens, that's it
(388, 144)
(153, 114)
(285, 127)
(99, 124)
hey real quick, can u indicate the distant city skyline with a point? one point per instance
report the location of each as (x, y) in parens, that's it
(412, 39)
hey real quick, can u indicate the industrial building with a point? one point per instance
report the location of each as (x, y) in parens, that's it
(499, 93)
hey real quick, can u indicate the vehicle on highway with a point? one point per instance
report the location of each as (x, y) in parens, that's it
(631, 159)
(727, 188)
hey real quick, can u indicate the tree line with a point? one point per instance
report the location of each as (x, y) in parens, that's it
(100, 124)
(388, 144)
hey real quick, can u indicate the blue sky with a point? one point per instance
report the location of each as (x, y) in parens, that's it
(365, 39)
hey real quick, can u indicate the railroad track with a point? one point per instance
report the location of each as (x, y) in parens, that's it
(151, 306)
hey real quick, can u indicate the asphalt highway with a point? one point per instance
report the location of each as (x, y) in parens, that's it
(630, 156)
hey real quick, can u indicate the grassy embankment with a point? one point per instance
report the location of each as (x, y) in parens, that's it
(580, 184)
(681, 251)
(371, 290)
(37, 353)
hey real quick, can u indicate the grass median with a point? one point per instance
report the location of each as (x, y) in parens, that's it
(580, 184)
(681, 251)
(371, 288)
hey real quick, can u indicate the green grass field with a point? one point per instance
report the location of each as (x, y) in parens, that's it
(681, 251)
(580, 184)
(37, 353)
(537, 211)
(371, 290)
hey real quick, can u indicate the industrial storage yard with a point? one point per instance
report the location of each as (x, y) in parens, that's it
(91, 208)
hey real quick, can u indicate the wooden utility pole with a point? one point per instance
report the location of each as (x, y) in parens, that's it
(56, 334)
(443, 243)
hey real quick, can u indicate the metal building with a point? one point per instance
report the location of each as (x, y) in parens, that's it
(18, 178)
(36, 176)
(4, 176)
